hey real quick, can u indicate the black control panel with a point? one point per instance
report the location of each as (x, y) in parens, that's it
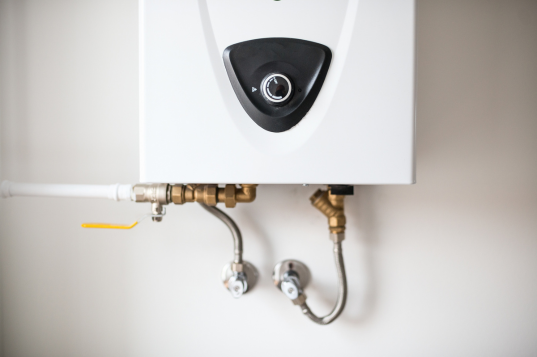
(277, 79)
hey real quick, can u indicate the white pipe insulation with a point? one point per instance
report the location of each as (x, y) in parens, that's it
(115, 192)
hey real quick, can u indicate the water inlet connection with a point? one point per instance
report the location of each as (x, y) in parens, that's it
(292, 276)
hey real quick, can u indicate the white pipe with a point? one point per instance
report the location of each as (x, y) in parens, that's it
(115, 192)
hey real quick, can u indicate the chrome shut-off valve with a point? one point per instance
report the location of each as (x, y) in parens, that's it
(291, 285)
(239, 278)
(291, 277)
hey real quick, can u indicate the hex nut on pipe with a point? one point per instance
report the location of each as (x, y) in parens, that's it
(300, 299)
(337, 237)
(178, 194)
(211, 193)
(229, 196)
(138, 193)
(237, 267)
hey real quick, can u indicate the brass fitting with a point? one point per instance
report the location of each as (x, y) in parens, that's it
(160, 194)
(194, 193)
(156, 193)
(246, 193)
(212, 194)
(332, 206)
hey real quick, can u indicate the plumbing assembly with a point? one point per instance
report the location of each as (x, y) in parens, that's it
(273, 92)
(291, 276)
(238, 276)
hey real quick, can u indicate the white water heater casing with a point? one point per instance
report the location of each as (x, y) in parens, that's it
(195, 128)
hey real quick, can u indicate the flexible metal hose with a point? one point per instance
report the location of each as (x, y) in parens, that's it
(235, 231)
(341, 296)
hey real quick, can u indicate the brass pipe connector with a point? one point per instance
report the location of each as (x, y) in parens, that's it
(212, 194)
(332, 206)
(246, 193)
(206, 194)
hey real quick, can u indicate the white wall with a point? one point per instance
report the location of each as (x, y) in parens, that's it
(447, 267)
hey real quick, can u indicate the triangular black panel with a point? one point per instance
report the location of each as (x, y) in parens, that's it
(251, 63)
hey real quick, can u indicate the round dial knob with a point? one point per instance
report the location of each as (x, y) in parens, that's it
(277, 89)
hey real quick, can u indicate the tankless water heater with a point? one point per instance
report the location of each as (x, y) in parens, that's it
(277, 92)
(264, 91)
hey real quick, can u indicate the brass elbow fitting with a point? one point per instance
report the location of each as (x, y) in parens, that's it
(332, 206)
(212, 194)
(246, 193)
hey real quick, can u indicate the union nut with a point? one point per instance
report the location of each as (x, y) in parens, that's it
(337, 237)
(229, 196)
(210, 195)
(237, 267)
(178, 194)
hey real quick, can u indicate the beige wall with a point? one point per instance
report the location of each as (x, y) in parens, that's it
(447, 267)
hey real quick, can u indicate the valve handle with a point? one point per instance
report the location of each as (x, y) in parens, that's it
(237, 285)
(291, 285)
(108, 225)
(121, 226)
